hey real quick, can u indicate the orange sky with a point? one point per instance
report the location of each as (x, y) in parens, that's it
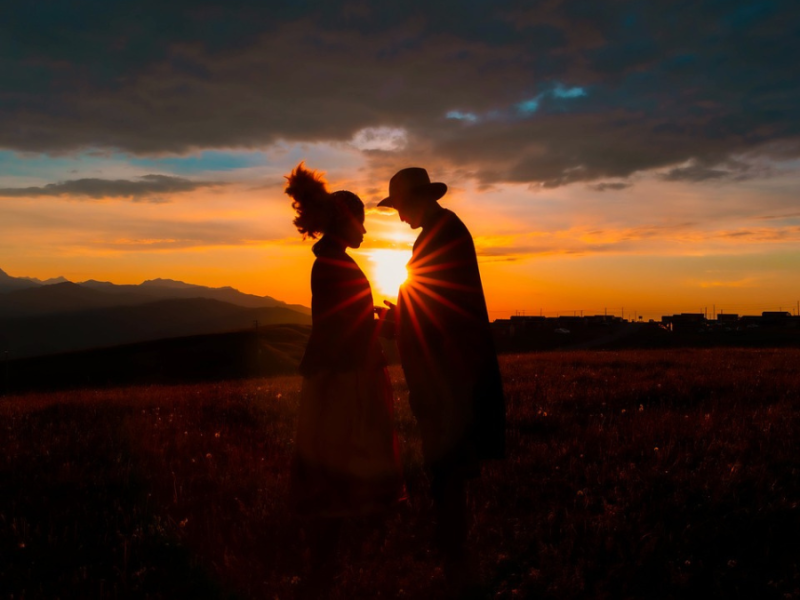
(655, 248)
(603, 157)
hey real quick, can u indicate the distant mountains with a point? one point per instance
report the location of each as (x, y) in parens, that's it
(20, 296)
(8, 283)
(56, 315)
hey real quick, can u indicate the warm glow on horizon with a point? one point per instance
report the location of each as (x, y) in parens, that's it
(569, 250)
(387, 270)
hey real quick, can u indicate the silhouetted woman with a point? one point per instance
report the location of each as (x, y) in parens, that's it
(346, 458)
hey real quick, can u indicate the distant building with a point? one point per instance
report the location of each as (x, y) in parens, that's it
(684, 321)
(502, 327)
(523, 325)
(727, 317)
(776, 318)
(776, 314)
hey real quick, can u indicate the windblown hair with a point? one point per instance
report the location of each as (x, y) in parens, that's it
(312, 201)
(318, 210)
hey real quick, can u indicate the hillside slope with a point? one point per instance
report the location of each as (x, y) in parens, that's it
(80, 330)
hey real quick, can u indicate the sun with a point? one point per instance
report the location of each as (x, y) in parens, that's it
(388, 270)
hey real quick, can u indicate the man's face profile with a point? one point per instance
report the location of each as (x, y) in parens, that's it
(411, 211)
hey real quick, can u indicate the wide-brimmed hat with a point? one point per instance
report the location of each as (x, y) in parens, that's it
(412, 183)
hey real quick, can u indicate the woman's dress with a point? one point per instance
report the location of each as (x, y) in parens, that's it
(346, 455)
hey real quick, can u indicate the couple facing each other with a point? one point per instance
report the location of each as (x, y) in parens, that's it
(346, 458)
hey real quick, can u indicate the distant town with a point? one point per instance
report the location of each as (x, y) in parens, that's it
(525, 332)
(678, 322)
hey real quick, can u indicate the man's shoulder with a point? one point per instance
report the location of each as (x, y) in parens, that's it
(450, 225)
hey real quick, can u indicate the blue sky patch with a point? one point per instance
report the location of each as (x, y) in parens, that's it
(211, 160)
(462, 116)
(562, 92)
(529, 106)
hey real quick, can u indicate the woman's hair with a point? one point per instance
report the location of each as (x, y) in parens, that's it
(318, 210)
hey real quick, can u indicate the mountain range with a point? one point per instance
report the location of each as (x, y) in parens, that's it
(56, 315)
(26, 296)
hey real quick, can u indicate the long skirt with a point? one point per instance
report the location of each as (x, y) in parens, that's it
(346, 459)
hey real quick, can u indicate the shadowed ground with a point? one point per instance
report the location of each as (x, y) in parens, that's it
(657, 474)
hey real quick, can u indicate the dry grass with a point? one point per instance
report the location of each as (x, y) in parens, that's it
(658, 474)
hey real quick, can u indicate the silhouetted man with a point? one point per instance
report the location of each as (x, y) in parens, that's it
(448, 357)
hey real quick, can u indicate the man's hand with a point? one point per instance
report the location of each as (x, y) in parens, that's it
(386, 313)
(387, 318)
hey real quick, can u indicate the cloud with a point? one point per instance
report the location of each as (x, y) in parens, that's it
(603, 90)
(380, 138)
(610, 185)
(739, 283)
(147, 188)
(673, 239)
(763, 235)
(733, 169)
(776, 217)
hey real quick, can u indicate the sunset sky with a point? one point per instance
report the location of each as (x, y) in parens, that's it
(640, 155)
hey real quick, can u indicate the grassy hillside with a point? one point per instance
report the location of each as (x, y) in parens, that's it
(273, 350)
(648, 474)
(111, 326)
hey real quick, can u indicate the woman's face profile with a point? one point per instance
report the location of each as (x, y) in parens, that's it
(352, 229)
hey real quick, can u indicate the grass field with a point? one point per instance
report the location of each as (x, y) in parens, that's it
(634, 474)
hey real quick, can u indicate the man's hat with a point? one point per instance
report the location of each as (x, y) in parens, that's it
(412, 183)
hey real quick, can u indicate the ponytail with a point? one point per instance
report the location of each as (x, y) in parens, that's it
(312, 201)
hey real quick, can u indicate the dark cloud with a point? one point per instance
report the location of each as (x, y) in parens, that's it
(610, 185)
(663, 85)
(147, 188)
(786, 216)
(775, 234)
(736, 170)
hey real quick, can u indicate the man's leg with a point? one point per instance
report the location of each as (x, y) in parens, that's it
(450, 506)
(323, 539)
